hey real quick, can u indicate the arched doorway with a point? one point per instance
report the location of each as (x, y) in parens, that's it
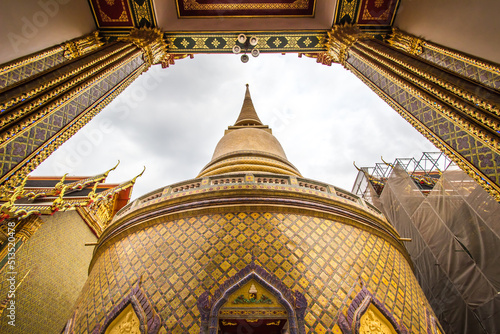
(252, 309)
(252, 301)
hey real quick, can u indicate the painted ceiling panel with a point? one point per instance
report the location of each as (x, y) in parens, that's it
(377, 12)
(112, 13)
(366, 12)
(118, 16)
(245, 8)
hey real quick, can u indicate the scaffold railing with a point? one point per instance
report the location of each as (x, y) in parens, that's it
(424, 171)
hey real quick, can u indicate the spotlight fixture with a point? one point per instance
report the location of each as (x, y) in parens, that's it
(242, 38)
(236, 49)
(246, 44)
(253, 41)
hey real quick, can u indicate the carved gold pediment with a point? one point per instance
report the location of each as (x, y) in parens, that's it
(252, 295)
(373, 321)
(126, 322)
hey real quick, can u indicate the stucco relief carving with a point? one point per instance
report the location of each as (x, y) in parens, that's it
(370, 323)
(126, 323)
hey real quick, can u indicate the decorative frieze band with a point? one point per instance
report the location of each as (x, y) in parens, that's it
(222, 42)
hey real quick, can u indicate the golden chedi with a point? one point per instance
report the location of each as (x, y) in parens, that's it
(250, 246)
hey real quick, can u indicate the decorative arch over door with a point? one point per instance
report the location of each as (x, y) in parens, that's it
(367, 312)
(294, 303)
(134, 307)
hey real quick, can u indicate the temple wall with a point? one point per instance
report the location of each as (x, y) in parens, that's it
(177, 260)
(51, 269)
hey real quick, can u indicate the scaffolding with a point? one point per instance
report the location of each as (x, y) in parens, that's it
(425, 172)
(454, 229)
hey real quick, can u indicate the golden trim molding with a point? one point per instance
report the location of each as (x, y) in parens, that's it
(490, 140)
(486, 105)
(415, 46)
(396, 67)
(340, 39)
(74, 90)
(47, 84)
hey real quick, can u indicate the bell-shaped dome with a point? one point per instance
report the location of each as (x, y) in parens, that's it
(249, 146)
(248, 139)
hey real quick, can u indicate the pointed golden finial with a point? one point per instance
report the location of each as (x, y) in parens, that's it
(59, 202)
(59, 185)
(105, 175)
(100, 179)
(135, 178)
(93, 196)
(9, 207)
(388, 164)
(18, 191)
(94, 190)
(367, 175)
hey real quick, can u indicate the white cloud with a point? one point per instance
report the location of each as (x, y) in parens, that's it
(171, 119)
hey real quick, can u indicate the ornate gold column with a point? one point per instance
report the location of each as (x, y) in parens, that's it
(41, 111)
(31, 65)
(461, 117)
(482, 71)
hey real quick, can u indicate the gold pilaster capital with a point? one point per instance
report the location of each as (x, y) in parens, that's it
(340, 39)
(82, 45)
(151, 42)
(406, 42)
(321, 57)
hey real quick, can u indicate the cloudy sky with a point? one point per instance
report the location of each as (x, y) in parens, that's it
(170, 121)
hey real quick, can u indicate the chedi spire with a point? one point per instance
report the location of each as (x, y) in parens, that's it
(249, 146)
(248, 115)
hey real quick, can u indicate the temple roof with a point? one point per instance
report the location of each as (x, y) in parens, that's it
(249, 146)
(45, 195)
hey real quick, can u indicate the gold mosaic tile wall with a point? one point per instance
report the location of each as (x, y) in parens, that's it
(51, 270)
(180, 259)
